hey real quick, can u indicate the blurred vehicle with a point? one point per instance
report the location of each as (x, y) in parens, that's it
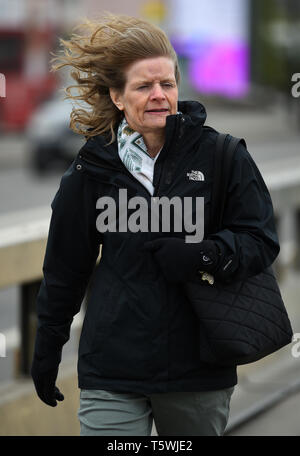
(50, 141)
(23, 61)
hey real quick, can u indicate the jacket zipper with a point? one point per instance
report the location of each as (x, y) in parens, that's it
(162, 175)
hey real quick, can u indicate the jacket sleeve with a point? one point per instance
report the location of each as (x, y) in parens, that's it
(71, 253)
(248, 240)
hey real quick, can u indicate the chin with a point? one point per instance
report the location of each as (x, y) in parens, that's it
(158, 123)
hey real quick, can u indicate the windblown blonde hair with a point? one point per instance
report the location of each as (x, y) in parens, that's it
(99, 55)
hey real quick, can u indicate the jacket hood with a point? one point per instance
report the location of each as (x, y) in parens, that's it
(184, 128)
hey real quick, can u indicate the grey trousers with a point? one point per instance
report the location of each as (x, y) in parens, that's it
(108, 413)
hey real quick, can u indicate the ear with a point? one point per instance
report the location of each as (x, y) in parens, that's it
(116, 98)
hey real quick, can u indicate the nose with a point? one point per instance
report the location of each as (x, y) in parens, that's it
(157, 93)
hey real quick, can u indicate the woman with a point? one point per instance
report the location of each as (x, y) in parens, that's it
(138, 352)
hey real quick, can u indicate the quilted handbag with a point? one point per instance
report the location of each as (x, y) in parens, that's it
(242, 321)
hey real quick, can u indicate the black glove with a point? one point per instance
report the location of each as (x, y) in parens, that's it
(180, 261)
(44, 372)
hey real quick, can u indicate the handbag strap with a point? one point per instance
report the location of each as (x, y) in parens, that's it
(226, 146)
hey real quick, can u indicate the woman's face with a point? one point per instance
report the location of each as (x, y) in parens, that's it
(150, 94)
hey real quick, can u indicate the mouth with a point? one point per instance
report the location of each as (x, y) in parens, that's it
(157, 111)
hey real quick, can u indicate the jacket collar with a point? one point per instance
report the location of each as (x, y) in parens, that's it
(184, 128)
(194, 112)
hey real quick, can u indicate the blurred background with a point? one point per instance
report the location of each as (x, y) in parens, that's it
(241, 59)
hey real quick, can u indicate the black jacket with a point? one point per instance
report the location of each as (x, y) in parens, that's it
(140, 332)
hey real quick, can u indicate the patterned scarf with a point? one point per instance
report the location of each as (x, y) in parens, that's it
(134, 155)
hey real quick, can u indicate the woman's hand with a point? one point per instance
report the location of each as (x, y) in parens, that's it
(180, 261)
(44, 370)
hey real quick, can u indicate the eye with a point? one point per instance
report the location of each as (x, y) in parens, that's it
(142, 87)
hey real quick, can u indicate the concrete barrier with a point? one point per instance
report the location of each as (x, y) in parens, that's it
(22, 413)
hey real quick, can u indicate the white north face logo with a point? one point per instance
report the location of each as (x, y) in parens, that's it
(195, 175)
